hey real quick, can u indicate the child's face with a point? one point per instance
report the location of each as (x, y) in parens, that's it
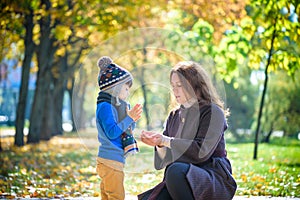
(124, 93)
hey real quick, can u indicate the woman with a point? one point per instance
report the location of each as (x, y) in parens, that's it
(192, 146)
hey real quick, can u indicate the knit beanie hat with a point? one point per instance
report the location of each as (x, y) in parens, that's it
(111, 74)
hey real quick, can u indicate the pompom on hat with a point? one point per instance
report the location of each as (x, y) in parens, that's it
(111, 74)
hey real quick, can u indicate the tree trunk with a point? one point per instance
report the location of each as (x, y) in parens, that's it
(58, 108)
(37, 111)
(70, 91)
(29, 50)
(267, 138)
(48, 120)
(67, 71)
(44, 57)
(58, 95)
(264, 93)
(48, 115)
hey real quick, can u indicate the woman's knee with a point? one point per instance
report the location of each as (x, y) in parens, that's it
(177, 171)
(176, 181)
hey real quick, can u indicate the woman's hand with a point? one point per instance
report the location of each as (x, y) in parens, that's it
(136, 112)
(151, 138)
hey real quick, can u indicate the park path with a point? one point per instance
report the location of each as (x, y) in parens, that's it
(131, 197)
(242, 198)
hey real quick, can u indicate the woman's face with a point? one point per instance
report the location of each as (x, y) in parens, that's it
(124, 93)
(178, 90)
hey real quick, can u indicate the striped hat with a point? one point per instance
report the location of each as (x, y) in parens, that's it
(111, 74)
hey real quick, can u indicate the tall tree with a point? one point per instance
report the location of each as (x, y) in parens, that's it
(45, 53)
(14, 32)
(275, 42)
(26, 64)
(284, 110)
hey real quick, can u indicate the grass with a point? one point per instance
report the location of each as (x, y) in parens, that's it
(276, 172)
(65, 167)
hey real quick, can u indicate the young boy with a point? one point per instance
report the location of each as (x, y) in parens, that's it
(115, 122)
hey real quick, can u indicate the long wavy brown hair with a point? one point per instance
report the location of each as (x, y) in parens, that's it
(196, 83)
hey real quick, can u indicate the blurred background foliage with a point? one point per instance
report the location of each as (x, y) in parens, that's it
(250, 48)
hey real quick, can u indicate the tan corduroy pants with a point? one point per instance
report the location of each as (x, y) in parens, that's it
(112, 179)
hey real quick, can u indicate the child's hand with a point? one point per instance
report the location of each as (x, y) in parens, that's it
(136, 112)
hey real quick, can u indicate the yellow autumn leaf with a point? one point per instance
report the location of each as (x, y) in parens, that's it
(80, 33)
(272, 170)
(61, 51)
(93, 178)
(62, 32)
(259, 185)
(96, 194)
